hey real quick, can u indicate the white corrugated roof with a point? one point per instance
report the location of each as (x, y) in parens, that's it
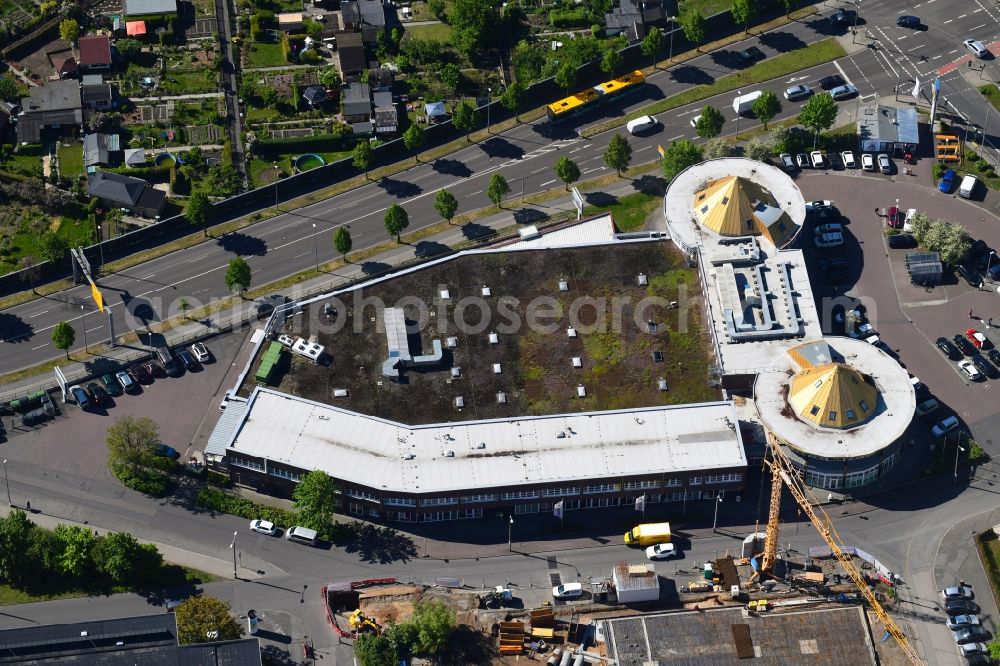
(372, 452)
(598, 231)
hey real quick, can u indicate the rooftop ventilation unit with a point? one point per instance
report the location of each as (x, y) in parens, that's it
(571, 332)
(577, 362)
(643, 280)
(662, 384)
(459, 402)
(451, 342)
(286, 340)
(409, 456)
(581, 392)
(502, 400)
(445, 294)
(448, 454)
(494, 339)
(496, 368)
(341, 393)
(528, 232)
(481, 445)
(563, 285)
(487, 292)
(456, 371)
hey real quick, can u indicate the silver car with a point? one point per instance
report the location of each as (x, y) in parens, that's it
(845, 91)
(883, 163)
(798, 92)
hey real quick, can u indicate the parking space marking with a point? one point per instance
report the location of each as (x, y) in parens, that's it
(948, 21)
(962, 16)
(979, 26)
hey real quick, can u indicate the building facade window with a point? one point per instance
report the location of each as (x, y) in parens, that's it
(673, 483)
(246, 462)
(285, 474)
(642, 485)
(527, 508)
(361, 494)
(437, 516)
(600, 502)
(438, 501)
(401, 516)
(470, 513)
(694, 481)
(560, 492)
(600, 488)
(519, 494)
(474, 499)
(732, 477)
(399, 501)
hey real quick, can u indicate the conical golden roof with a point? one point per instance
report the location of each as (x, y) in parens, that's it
(833, 395)
(737, 206)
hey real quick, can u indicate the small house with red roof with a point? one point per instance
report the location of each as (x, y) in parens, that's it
(95, 53)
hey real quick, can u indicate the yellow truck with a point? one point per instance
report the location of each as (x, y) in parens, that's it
(648, 534)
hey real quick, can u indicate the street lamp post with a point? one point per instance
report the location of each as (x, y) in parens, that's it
(277, 175)
(489, 103)
(232, 547)
(6, 483)
(673, 27)
(739, 93)
(315, 247)
(510, 527)
(989, 260)
(715, 520)
(958, 448)
(86, 347)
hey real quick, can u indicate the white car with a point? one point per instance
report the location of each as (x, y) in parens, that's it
(694, 121)
(200, 352)
(883, 163)
(848, 157)
(910, 213)
(976, 47)
(862, 331)
(970, 370)
(830, 228)
(819, 203)
(661, 551)
(915, 382)
(874, 340)
(818, 159)
(263, 527)
(962, 621)
(867, 162)
(567, 591)
(959, 591)
(973, 648)
(829, 240)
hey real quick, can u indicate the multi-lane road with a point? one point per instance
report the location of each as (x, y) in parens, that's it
(525, 156)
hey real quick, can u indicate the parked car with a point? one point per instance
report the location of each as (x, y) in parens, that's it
(948, 349)
(862, 332)
(125, 381)
(867, 162)
(978, 340)
(848, 157)
(927, 406)
(961, 607)
(263, 527)
(832, 227)
(962, 621)
(940, 429)
(165, 451)
(98, 393)
(902, 241)
(80, 396)
(994, 356)
(894, 218)
(111, 385)
(985, 367)
(963, 344)
(833, 265)
(970, 370)
(843, 16)
(907, 21)
(797, 92)
(818, 159)
(918, 386)
(661, 551)
(200, 352)
(187, 360)
(884, 165)
(973, 648)
(694, 121)
(802, 160)
(567, 591)
(787, 162)
(141, 374)
(845, 91)
(958, 591)
(947, 181)
(832, 81)
(752, 54)
(155, 369)
(970, 635)
(874, 340)
(819, 204)
(977, 48)
(829, 240)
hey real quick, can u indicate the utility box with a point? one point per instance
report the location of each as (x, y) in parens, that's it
(635, 583)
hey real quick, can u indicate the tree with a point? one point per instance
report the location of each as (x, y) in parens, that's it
(465, 117)
(497, 189)
(514, 97)
(567, 170)
(434, 623)
(316, 500)
(396, 220)
(450, 75)
(758, 149)
(766, 107)
(342, 241)
(413, 138)
(29, 270)
(63, 337)
(185, 306)
(475, 24)
(375, 650)
(76, 545)
(920, 225)
(789, 6)
(69, 30)
(994, 647)
(652, 44)
(694, 27)
(446, 204)
(205, 619)
(437, 8)
(744, 11)
(238, 275)
(15, 544)
(612, 59)
(116, 556)
(818, 114)
(102, 121)
(619, 154)
(717, 147)
(128, 48)
(710, 123)
(679, 156)
(362, 156)
(955, 244)
(131, 442)
(8, 88)
(53, 247)
(330, 77)
(199, 211)
(566, 76)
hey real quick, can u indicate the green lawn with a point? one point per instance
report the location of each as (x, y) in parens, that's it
(259, 170)
(630, 211)
(26, 162)
(70, 160)
(706, 7)
(421, 12)
(438, 31)
(992, 93)
(204, 8)
(782, 65)
(185, 83)
(266, 54)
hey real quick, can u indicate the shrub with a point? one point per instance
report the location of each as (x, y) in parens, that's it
(937, 171)
(217, 479)
(971, 155)
(982, 165)
(323, 143)
(569, 18)
(147, 482)
(218, 500)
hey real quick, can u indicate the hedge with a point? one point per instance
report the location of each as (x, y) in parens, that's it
(146, 482)
(218, 500)
(159, 173)
(324, 143)
(569, 18)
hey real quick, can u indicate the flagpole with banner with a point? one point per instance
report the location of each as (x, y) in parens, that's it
(934, 98)
(640, 504)
(557, 511)
(916, 90)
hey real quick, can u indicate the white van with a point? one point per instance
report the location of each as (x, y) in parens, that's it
(744, 103)
(640, 124)
(301, 535)
(967, 187)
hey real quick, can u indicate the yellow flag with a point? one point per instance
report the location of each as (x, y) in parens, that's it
(98, 297)
(660, 150)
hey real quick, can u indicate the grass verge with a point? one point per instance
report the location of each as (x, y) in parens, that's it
(170, 575)
(988, 546)
(630, 211)
(992, 93)
(772, 68)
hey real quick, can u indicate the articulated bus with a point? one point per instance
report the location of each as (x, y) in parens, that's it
(579, 102)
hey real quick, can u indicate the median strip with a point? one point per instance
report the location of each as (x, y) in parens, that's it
(782, 65)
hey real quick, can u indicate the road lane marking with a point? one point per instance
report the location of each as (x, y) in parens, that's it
(674, 138)
(300, 255)
(467, 196)
(594, 169)
(963, 16)
(979, 26)
(639, 150)
(976, 11)
(936, 57)
(548, 182)
(40, 346)
(191, 261)
(538, 171)
(91, 330)
(948, 21)
(38, 314)
(841, 71)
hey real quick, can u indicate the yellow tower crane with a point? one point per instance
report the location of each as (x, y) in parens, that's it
(783, 472)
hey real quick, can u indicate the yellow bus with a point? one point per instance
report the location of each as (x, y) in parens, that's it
(583, 100)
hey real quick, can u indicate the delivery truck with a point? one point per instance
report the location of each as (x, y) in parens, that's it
(744, 103)
(648, 534)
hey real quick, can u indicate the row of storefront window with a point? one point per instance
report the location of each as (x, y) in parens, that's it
(834, 481)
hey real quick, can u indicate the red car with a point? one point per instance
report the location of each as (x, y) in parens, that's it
(895, 218)
(140, 374)
(977, 339)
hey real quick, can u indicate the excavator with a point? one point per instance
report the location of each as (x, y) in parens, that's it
(363, 624)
